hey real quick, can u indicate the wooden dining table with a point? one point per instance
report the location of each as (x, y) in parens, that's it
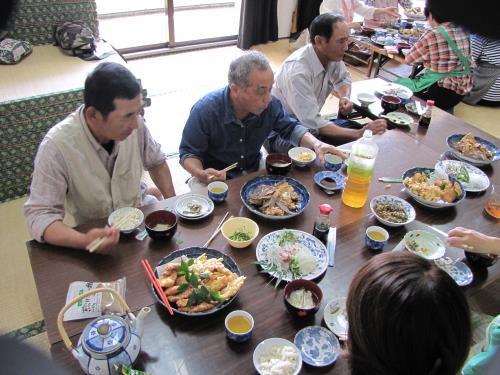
(181, 344)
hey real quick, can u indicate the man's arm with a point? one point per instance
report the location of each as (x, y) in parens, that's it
(320, 148)
(163, 179)
(332, 130)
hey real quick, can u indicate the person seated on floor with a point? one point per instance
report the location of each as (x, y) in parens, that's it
(308, 76)
(406, 316)
(231, 125)
(444, 52)
(91, 163)
(486, 88)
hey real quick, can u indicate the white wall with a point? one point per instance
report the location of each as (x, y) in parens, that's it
(285, 11)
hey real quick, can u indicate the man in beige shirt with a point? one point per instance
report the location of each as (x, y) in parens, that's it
(91, 163)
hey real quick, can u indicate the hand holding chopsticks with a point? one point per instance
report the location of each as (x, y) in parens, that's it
(217, 230)
(156, 284)
(227, 169)
(94, 245)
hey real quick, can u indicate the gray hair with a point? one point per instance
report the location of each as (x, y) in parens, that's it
(241, 67)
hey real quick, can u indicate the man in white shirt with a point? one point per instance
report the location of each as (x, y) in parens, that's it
(310, 74)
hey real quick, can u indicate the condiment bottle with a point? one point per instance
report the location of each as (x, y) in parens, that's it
(360, 170)
(425, 118)
(322, 222)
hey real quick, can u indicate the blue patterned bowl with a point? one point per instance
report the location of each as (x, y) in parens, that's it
(375, 243)
(333, 162)
(331, 181)
(318, 346)
(238, 336)
(217, 191)
(392, 202)
(250, 186)
(452, 139)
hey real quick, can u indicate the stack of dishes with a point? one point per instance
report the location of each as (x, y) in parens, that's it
(193, 206)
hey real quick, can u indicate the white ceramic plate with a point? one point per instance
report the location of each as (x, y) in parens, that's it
(393, 89)
(477, 180)
(267, 345)
(424, 244)
(335, 317)
(393, 201)
(135, 218)
(315, 246)
(412, 108)
(184, 204)
(318, 346)
(399, 119)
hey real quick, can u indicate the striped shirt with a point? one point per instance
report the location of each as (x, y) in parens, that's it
(487, 50)
(434, 53)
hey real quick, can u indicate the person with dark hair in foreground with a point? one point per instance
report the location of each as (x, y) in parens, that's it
(92, 162)
(445, 53)
(406, 316)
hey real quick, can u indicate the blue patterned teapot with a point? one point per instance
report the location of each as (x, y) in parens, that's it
(108, 339)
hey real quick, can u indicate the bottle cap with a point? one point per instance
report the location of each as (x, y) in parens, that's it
(325, 209)
(430, 102)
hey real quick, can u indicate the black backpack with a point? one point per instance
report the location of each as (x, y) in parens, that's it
(75, 38)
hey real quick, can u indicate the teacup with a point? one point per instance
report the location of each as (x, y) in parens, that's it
(333, 162)
(239, 325)
(217, 191)
(376, 237)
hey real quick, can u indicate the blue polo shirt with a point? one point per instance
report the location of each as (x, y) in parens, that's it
(214, 135)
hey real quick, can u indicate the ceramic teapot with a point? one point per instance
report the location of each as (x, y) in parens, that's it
(108, 339)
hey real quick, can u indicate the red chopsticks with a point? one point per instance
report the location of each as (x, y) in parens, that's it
(156, 283)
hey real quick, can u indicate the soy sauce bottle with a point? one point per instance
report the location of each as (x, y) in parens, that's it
(425, 119)
(322, 222)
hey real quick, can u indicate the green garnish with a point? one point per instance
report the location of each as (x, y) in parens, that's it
(240, 236)
(286, 236)
(463, 174)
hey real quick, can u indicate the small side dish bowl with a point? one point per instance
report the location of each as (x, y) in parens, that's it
(127, 219)
(239, 325)
(278, 164)
(273, 350)
(366, 99)
(240, 232)
(217, 191)
(302, 297)
(392, 211)
(302, 156)
(367, 31)
(390, 103)
(333, 162)
(161, 224)
(424, 244)
(376, 237)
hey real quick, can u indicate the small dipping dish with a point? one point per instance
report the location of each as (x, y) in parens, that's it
(161, 224)
(279, 164)
(333, 162)
(217, 191)
(239, 325)
(376, 237)
(302, 297)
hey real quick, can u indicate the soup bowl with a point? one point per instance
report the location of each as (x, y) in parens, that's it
(278, 164)
(390, 103)
(161, 224)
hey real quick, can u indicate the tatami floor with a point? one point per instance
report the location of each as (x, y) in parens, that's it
(174, 83)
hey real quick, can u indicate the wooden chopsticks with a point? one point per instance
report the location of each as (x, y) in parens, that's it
(93, 246)
(217, 230)
(227, 169)
(156, 284)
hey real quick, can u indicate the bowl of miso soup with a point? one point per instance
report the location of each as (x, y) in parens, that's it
(161, 224)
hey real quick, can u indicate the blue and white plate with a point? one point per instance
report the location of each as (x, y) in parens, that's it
(339, 179)
(250, 186)
(394, 89)
(475, 182)
(393, 202)
(458, 270)
(319, 346)
(194, 252)
(315, 246)
(452, 139)
(430, 172)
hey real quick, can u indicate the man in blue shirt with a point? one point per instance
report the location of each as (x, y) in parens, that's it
(231, 124)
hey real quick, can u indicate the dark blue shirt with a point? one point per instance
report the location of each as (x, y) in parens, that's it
(214, 134)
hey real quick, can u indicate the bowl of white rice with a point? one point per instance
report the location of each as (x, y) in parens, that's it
(277, 356)
(126, 219)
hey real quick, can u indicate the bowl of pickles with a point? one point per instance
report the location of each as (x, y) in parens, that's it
(240, 232)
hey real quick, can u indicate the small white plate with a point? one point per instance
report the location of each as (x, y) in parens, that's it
(399, 119)
(424, 244)
(184, 204)
(335, 317)
(318, 346)
(478, 181)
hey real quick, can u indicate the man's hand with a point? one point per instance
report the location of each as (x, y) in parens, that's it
(390, 11)
(210, 175)
(112, 236)
(322, 148)
(345, 105)
(377, 127)
(473, 241)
